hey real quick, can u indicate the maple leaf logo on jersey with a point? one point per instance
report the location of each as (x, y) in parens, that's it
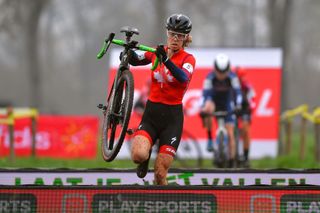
(159, 77)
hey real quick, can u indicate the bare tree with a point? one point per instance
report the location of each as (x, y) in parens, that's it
(19, 20)
(35, 8)
(280, 16)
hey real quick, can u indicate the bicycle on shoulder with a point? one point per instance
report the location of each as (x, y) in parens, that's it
(118, 104)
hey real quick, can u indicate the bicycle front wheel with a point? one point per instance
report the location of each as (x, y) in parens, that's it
(117, 116)
(222, 155)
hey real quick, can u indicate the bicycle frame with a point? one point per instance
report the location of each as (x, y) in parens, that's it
(220, 155)
(117, 110)
(221, 126)
(222, 150)
(128, 44)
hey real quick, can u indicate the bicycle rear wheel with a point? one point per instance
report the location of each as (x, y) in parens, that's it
(238, 157)
(117, 116)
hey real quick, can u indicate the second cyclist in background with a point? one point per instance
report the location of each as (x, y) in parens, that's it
(219, 89)
(248, 105)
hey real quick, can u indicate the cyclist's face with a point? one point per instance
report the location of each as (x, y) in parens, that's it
(222, 76)
(175, 40)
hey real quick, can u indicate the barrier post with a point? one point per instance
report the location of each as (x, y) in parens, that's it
(33, 135)
(316, 114)
(11, 133)
(280, 144)
(303, 137)
(288, 130)
(34, 119)
(287, 117)
(317, 145)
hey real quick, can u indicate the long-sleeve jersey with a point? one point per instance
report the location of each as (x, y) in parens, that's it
(222, 91)
(249, 95)
(170, 80)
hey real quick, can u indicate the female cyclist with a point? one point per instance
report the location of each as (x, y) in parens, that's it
(163, 116)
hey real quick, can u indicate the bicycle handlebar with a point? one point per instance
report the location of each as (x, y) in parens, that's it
(219, 113)
(119, 42)
(105, 46)
(216, 113)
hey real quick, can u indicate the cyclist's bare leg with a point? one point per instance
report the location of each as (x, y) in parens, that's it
(232, 144)
(246, 134)
(161, 167)
(140, 154)
(209, 107)
(140, 149)
(246, 138)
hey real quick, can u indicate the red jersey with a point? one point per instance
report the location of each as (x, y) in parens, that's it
(164, 87)
(248, 94)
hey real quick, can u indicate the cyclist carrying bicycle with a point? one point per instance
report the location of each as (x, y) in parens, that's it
(163, 115)
(248, 105)
(219, 89)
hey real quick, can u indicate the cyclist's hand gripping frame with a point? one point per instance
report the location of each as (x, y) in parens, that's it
(119, 42)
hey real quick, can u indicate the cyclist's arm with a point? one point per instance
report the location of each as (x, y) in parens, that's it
(138, 59)
(251, 97)
(235, 83)
(181, 74)
(208, 89)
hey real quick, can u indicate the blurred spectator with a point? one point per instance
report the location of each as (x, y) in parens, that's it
(248, 105)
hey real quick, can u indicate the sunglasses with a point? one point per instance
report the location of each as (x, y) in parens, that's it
(178, 36)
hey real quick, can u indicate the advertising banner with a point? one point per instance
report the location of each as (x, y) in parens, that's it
(160, 199)
(57, 136)
(180, 177)
(263, 67)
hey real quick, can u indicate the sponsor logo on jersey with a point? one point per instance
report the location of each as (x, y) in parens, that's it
(173, 140)
(188, 67)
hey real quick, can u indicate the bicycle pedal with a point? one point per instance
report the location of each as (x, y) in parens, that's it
(102, 107)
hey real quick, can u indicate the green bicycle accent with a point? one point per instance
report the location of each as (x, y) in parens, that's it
(118, 42)
(102, 51)
(122, 43)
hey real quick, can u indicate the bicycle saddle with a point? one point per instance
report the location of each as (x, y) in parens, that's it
(129, 31)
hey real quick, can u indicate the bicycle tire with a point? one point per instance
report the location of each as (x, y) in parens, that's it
(222, 157)
(121, 106)
(193, 145)
(238, 157)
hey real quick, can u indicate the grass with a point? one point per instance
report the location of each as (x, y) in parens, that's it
(291, 160)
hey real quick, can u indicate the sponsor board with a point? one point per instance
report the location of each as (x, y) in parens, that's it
(57, 136)
(296, 203)
(263, 67)
(186, 178)
(159, 199)
(12, 202)
(154, 202)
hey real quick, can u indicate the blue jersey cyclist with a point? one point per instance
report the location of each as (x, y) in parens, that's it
(222, 92)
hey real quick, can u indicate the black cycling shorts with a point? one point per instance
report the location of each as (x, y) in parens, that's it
(163, 122)
(245, 115)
